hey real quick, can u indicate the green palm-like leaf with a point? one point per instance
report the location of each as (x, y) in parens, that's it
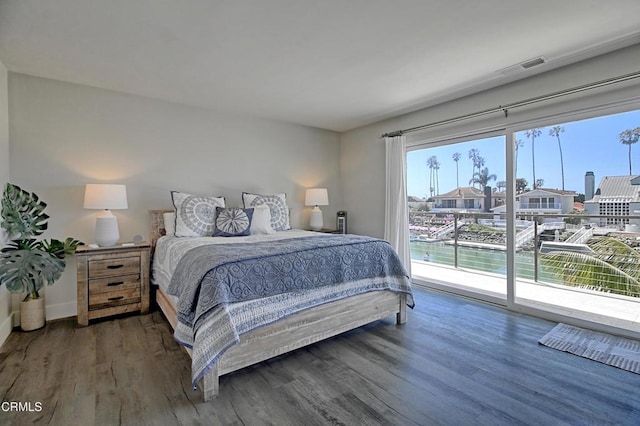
(22, 213)
(617, 254)
(24, 266)
(588, 271)
(60, 249)
(27, 264)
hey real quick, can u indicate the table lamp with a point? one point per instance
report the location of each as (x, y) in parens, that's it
(106, 197)
(316, 197)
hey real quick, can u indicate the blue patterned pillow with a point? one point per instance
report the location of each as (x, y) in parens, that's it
(277, 207)
(232, 222)
(195, 214)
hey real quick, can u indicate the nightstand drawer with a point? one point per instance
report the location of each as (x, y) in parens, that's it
(114, 298)
(115, 283)
(112, 267)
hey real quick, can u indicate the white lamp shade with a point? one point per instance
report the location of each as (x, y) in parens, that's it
(105, 196)
(316, 197)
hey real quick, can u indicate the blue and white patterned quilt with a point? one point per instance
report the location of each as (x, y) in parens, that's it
(213, 282)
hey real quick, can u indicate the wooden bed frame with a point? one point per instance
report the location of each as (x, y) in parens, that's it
(298, 330)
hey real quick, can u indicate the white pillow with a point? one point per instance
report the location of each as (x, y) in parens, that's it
(277, 206)
(195, 214)
(169, 223)
(261, 222)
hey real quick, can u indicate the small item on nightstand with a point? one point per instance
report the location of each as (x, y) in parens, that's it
(341, 222)
(93, 245)
(128, 244)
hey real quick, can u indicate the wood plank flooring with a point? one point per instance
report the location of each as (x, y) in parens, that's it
(455, 362)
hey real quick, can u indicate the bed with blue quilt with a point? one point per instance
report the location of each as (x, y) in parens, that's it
(234, 302)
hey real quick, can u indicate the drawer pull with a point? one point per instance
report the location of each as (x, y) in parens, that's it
(113, 284)
(115, 266)
(111, 299)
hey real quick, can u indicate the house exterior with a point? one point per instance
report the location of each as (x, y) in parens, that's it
(498, 199)
(542, 201)
(466, 199)
(545, 200)
(458, 199)
(616, 196)
(416, 203)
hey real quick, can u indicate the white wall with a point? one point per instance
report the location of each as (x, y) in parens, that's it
(362, 152)
(5, 297)
(66, 135)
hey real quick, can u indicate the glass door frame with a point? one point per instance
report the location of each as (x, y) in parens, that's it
(509, 132)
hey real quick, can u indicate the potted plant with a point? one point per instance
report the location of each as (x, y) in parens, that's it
(27, 263)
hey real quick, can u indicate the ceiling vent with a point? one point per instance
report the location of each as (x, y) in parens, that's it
(523, 66)
(533, 63)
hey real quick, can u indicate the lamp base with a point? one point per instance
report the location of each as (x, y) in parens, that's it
(107, 233)
(316, 222)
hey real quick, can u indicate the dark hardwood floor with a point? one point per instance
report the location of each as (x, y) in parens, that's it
(455, 362)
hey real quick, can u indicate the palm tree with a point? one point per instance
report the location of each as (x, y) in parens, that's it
(501, 185)
(474, 153)
(482, 178)
(456, 157)
(519, 144)
(436, 167)
(555, 131)
(521, 185)
(629, 137)
(479, 162)
(611, 267)
(533, 134)
(431, 163)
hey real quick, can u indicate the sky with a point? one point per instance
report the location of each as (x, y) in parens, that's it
(587, 145)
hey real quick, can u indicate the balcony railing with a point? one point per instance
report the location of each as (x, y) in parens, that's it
(540, 206)
(446, 206)
(572, 250)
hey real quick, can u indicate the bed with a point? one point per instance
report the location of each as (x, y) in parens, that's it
(243, 333)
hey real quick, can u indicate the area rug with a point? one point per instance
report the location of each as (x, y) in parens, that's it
(605, 348)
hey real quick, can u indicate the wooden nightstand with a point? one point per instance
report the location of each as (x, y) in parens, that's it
(112, 280)
(327, 231)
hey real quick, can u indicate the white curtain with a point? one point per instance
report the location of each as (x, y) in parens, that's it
(396, 224)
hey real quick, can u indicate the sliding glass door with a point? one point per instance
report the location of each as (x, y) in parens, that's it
(564, 211)
(577, 204)
(457, 233)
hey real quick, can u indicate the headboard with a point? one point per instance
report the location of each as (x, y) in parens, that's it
(157, 226)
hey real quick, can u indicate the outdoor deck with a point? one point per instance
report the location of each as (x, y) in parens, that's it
(608, 310)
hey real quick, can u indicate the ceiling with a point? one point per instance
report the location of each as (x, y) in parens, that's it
(332, 64)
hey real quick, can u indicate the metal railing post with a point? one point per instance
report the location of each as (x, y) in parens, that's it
(535, 248)
(455, 240)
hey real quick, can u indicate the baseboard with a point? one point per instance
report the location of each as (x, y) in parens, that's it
(61, 310)
(51, 312)
(5, 328)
